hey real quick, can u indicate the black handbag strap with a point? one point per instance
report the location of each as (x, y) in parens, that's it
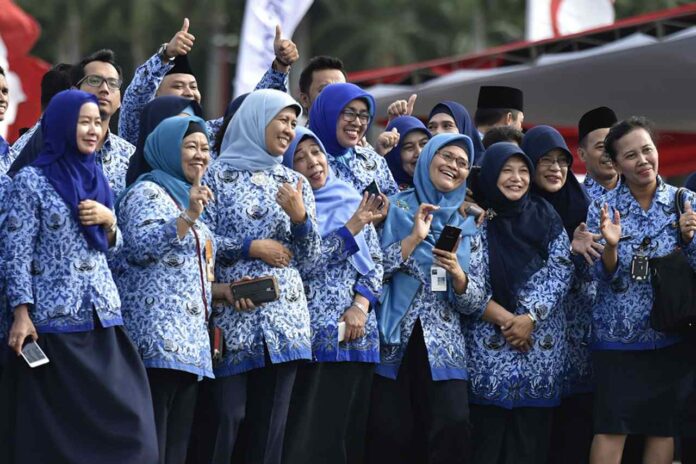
(679, 205)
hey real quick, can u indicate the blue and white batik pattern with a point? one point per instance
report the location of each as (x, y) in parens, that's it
(163, 303)
(621, 315)
(49, 264)
(244, 210)
(502, 375)
(362, 166)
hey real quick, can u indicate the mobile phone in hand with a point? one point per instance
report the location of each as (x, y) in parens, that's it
(34, 355)
(448, 238)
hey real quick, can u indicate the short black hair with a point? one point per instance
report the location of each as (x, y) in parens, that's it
(106, 55)
(490, 116)
(319, 63)
(55, 80)
(502, 134)
(620, 129)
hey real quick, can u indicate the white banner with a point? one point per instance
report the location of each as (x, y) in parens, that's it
(258, 31)
(554, 18)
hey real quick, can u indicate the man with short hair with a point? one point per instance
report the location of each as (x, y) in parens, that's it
(168, 72)
(320, 72)
(100, 75)
(55, 80)
(593, 127)
(499, 106)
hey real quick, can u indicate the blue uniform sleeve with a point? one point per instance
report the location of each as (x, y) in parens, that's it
(474, 300)
(370, 285)
(273, 79)
(141, 90)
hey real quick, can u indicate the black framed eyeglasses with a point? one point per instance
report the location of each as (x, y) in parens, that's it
(94, 80)
(350, 116)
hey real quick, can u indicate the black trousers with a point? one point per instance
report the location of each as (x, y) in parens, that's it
(414, 419)
(327, 420)
(571, 432)
(174, 402)
(511, 436)
(243, 415)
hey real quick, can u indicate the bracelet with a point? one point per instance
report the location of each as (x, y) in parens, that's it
(112, 227)
(533, 318)
(360, 306)
(187, 219)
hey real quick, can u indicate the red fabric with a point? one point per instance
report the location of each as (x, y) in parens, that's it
(20, 32)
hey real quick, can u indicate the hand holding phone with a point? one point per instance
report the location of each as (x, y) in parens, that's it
(34, 355)
(258, 291)
(448, 239)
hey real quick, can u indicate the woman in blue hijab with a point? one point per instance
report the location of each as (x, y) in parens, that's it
(91, 402)
(516, 350)
(341, 116)
(555, 182)
(343, 288)
(154, 113)
(264, 221)
(419, 408)
(165, 286)
(450, 117)
(413, 135)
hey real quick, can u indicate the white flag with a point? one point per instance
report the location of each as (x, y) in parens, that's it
(554, 18)
(258, 31)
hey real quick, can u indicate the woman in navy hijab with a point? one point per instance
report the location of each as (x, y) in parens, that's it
(555, 182)
(91, 402)
(403, 157)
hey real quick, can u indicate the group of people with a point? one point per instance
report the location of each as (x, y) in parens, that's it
(527, 341)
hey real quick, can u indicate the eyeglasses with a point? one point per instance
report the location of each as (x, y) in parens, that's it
(350, 116)
(461, 163)
(94, 80)
(563, 162)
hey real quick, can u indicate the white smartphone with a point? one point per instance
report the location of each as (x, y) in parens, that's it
(34, 355)
(341, 331)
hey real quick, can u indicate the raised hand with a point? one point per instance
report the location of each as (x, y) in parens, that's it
(687, 223)
(449, 261)
(422, 221)
(387, 141)
(181, 43)
(290, 199)
(365, 214)
(402, 107)
(199, 197)
(585, 243)
(611, 230)
(285, 50)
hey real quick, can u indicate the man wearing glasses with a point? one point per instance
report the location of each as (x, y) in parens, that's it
(100, 75)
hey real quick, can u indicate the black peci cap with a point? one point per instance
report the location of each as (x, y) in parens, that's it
(181, 66)
(598, 118)
(497, 97)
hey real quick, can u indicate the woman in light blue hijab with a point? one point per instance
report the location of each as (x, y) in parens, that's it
(419, 409)
(343, 288)
(265, 225)
(165, 293)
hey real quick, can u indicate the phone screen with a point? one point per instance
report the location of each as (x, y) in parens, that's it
(34, 355)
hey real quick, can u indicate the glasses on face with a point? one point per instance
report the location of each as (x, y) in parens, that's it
(94, 80)
(563, 162)
(350, 116)
(461, 163)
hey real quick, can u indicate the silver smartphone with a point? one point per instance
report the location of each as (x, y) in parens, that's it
(34, 355)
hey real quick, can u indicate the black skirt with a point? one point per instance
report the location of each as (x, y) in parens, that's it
(641, 392)
(90, 404)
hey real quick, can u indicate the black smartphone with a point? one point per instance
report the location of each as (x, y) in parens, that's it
(372, 189)
(447, 240)
(259, 290)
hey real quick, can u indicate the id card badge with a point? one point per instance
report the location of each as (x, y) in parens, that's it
(209, 260)
(438, 279)
(640, 268)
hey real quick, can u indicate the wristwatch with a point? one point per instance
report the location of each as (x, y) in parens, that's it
(162, 52)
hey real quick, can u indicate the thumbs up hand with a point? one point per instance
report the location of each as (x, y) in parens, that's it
(386, 141)
(687, 223)
(181, 43)
(285, 51)
(402, 107)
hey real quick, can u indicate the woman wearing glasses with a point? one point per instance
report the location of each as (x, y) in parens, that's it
(556, 183)
(516, 348)
(419, 410)
(341, 116)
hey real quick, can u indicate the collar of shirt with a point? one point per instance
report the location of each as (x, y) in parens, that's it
(662, 197)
